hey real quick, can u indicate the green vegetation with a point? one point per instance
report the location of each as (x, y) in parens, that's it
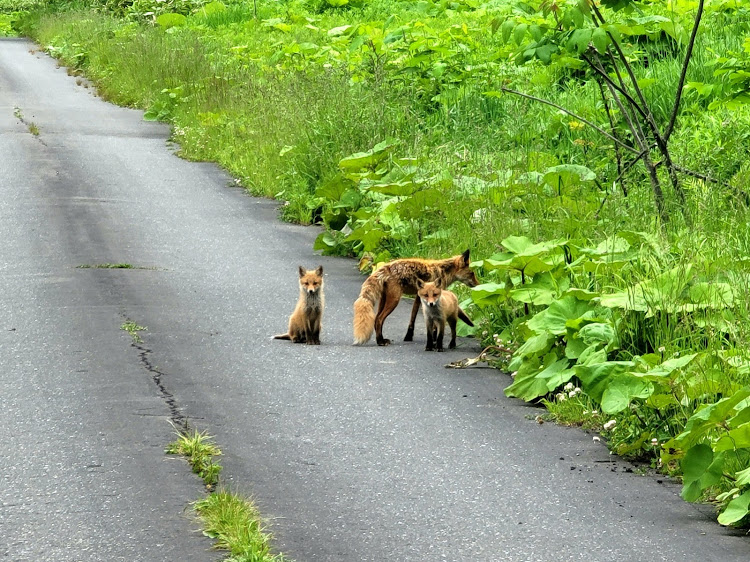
(200, 450)
(230, 519)
(235, 524)
(594, 155)
(11, 11)
(132, 328)
(106, 266)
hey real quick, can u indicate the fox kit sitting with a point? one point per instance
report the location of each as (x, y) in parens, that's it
(439, 306)
(304, 324)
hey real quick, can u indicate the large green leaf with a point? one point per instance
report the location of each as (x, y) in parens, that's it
(663, 293)
(368, 159)
(738, 438)
(488, 294)
(621, 390)
(527, 385)
(596, 377)
(523, 246)
(567, 174)
(398, 188)
(555, 318)
(542, 290)
(712, 295)
(536, 345)
(736, 510)
(743, 477)
(170, 20)
(710, 417)
(700, 469)
(666, 368)
(597, 333)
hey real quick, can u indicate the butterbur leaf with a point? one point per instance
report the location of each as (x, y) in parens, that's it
(528, 386)
(700, 470)
(170, 20)
(709, 417)
(738, 438)
(489, 294)
(743, 477)
(597, 333)
(596, 377)
(736, 510)
(554, 319)
(621, 390)
(536, 345)
(567, 174)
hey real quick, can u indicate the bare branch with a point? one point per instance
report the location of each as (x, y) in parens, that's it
(581, 119)
(600, 70)
(634, 81)
(683, 74)
(702, 177)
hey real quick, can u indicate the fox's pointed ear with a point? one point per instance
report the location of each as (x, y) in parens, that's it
(465, 256)
(302, 271)
(439, 283)
(420, 283)
(319, 270)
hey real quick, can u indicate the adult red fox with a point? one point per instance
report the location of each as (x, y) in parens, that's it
(304, 324)
(439, 306)
(399, 277)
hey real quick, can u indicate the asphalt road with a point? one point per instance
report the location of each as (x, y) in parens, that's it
(352, 453)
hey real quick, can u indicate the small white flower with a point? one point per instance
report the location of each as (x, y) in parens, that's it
(596, 438)
(585, 412)
(662, 349)
(654, 441)
(610, 424)
(568, 387)
(561, 397)
(513, 374)
(594, 412)
(577, 390)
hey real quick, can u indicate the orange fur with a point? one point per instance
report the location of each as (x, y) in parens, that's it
(400, 277)
(305, 322)
(439, 306)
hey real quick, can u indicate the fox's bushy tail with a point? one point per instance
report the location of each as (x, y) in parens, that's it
(466, 319)
(364, 309)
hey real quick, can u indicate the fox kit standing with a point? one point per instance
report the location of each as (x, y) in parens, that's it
(438, 306)
(304, 324)
(400, 277)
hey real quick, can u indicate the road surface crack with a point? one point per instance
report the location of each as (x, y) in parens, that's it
(178, 419)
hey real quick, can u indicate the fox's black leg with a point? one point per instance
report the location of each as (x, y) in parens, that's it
(414, 311)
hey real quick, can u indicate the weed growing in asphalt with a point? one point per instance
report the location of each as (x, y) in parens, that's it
(230, 519)
(106, 266)
(200, 450)
(132, 328)
(236, 525)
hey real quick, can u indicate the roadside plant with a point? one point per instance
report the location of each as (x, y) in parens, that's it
(599, 43)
